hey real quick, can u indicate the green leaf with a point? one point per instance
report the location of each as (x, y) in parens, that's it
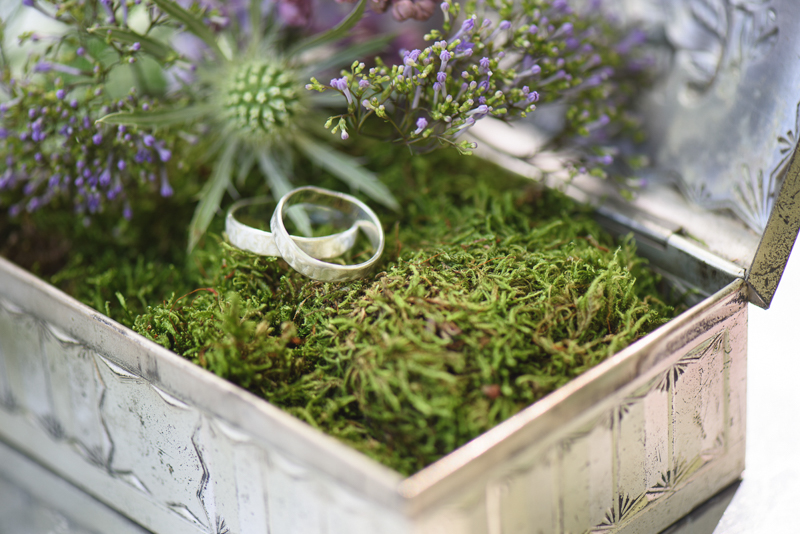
(161, 117)
(155, 48)
(193, 24)
(337, 32)
(245, 164)
(279, 185)
(211, 195)
(347, 169)
(346, 56)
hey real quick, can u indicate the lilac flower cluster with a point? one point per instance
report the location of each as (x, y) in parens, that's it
(539, 51)
(53, 151)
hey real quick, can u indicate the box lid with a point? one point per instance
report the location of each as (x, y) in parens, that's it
(723, 199)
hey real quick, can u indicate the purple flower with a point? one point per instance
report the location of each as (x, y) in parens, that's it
(60, 94)
(136, 46)
(480, 110)
(97, 138)
(163, 153)
(422, 123)
(166, 189)
(504, 25)
(105, 177)
(445, 56)
(342, 85)
(148, 140)
(565, 30)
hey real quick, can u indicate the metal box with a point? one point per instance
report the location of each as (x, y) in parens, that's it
(630, 446)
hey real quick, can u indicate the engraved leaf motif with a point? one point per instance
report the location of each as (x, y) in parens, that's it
(704, 64)
(758, 34)
(789, 141)
(755, 193)
(712, 15)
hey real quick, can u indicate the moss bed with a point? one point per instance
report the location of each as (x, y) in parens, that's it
(491, 293)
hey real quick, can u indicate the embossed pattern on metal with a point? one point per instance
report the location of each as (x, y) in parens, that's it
(35, 501)
(629, 446)
(725, 119)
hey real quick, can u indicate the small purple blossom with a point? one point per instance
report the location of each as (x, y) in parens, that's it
(97, 138)
(422, 123)
(342, 85)
(166, 189)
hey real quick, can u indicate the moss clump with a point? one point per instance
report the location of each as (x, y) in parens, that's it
(492, 294)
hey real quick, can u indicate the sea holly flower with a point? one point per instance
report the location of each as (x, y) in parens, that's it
(252, 98)
(538, 52)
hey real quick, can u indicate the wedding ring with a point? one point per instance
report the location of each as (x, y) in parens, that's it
(260, 242)
(363, 217)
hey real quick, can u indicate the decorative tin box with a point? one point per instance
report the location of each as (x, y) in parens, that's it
(630, 446)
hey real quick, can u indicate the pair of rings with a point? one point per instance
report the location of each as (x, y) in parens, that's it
(305, 254)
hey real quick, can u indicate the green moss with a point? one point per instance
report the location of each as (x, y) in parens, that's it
(491, 293)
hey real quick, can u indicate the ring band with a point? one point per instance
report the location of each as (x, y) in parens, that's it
(261, 242)
(312, 267)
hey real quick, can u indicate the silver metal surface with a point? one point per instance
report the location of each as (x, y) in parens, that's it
(35, 501)
(630, 446)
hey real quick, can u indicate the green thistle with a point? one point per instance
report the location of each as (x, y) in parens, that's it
(254, 109)
(261, 97)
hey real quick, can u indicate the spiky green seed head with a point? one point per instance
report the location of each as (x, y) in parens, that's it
(261, 97)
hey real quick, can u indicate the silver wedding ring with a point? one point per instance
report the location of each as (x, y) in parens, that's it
(306, 264)
(261, 242)
(304, 254)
